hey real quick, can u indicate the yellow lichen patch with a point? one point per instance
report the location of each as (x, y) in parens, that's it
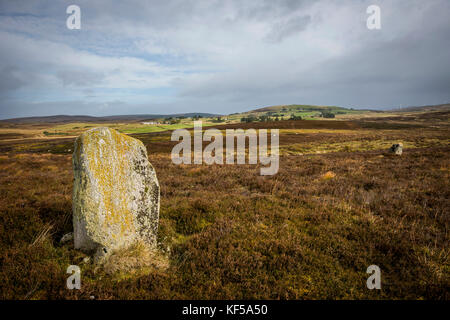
(106, 155)
(115, 194)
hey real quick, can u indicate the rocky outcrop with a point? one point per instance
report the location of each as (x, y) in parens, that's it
(397, 149)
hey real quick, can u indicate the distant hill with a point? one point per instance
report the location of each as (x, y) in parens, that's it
(314, 112)
(439, 107)
(282, 111)
(82, 118)
(302, 108)
(285, 112)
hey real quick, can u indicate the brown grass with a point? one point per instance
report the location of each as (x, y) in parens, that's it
(136, 259)
(43, 235)
(230, 233)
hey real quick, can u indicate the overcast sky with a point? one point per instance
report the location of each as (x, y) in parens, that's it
(220, 56)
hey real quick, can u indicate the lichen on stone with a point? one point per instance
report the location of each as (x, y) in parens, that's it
(116, 192)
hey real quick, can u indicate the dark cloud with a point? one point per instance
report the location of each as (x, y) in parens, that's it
(11, 79)
(220, 56)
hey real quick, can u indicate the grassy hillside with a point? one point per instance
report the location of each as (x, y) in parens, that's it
(306, 112)
(82, 118)
(440, 108)
(63, 126)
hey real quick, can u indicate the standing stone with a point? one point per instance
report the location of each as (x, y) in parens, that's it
(397, 148)
(115, 192)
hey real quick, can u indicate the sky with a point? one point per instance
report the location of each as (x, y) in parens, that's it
(220, 56)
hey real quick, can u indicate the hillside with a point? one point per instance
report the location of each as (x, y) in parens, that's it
(430, 108)
(283, 112)
(73, 125)
(305, 112)
(114, 118)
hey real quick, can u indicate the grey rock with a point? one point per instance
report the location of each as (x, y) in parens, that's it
(397, 149)
(66, 238)
(116, 193)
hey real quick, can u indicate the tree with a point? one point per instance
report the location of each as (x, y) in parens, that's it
(327, 115)
(248, 119)
(218, 119)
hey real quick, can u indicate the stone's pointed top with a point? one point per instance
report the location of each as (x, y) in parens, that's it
(99, 129)
(116, 192)
(107, 132)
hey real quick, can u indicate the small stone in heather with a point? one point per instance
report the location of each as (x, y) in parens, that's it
(397, 149)
(66, 238)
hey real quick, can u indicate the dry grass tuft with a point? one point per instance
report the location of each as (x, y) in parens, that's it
(328, 175)
(43, 236)
(137, 259)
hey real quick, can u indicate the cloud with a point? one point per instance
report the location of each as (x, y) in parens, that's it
(221, 56)
(11, 79)
(288, 28)
(79, 78)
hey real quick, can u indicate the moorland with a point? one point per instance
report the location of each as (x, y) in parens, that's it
(339, 203)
